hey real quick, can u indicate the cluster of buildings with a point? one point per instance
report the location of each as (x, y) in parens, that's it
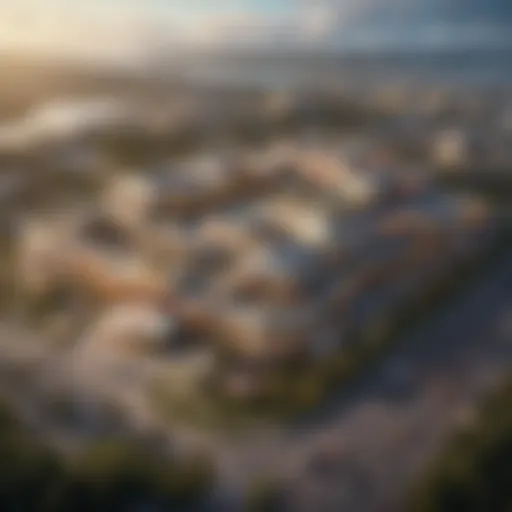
(268, 255)
(298, 245)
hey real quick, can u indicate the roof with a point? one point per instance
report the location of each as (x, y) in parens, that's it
(137, 319)
(115, 277)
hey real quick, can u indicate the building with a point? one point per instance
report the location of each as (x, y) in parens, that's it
(128, 198)
(114, 278)
(451, 149)
(42, 249)
(136, 325)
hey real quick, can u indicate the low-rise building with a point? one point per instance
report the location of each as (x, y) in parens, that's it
(128, 198)
(451, 149)
(136, 325)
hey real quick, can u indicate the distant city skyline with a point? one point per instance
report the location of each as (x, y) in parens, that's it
(128, 29)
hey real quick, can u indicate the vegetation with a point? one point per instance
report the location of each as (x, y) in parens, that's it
(300, 387)
(288, 391)
(110, 476)
(475, 472)
(264, 496)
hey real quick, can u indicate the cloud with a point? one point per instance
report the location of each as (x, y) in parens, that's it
(129, 29)
(316, 21)
(304, 21)
(123, 29)
(72, 29)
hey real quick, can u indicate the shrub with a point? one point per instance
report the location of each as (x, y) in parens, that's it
(475, 472)
(264, 496)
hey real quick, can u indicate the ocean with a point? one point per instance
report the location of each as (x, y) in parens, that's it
(480, 67)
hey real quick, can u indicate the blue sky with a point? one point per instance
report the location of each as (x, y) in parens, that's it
(124, 28)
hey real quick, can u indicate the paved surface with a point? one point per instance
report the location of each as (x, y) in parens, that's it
(380, 434)
(383, 432)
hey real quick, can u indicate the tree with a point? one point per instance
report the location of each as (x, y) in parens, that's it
(475, 472)
(264, 496)
(109, 476)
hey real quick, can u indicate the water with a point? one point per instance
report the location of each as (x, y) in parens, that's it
(477, 68)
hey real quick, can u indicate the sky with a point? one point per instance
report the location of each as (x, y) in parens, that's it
(126, 29)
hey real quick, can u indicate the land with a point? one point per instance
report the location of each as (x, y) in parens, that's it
(258, 275)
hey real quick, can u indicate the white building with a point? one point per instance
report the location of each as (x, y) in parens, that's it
(43, 246)
(332, 173)
(127, 199)
(308, 225)
(451, 148)
(135, 324)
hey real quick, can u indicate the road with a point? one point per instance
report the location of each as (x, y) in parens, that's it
(386, 428)
(382, 431)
